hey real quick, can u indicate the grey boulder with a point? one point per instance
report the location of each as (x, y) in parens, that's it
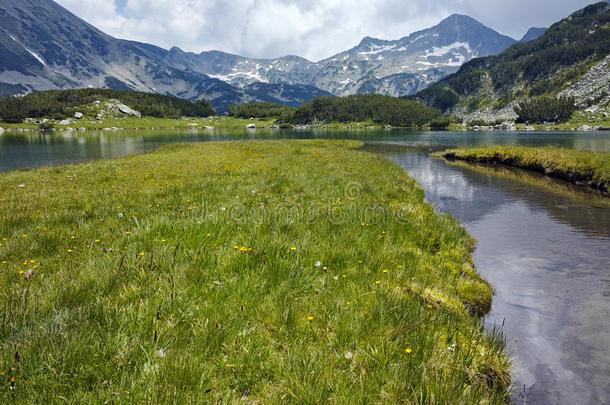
(128, 110)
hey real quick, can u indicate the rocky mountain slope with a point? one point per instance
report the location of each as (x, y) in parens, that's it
(43, 46)
(533, 33)
(396, 68)
(570, 58)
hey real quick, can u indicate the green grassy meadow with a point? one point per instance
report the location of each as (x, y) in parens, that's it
(131, 122)
(258, 272)
(590, 169)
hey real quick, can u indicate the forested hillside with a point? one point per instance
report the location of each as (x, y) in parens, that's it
(63, 103)
(377, 108)
(260, 110)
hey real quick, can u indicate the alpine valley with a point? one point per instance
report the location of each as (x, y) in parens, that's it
(43, 46)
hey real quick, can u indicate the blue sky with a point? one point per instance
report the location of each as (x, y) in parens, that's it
(314, 29)
(120, 5)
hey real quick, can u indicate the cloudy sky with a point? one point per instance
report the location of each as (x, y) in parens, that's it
(314, 29)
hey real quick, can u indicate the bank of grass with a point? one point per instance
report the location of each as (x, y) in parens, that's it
(279, 272)
(540, 181)
(590, 169)
(131, 122)
(578, 120)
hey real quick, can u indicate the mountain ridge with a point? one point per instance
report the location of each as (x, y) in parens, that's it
(533, 33)
(570, 58)
(43, 46)
(346, 72)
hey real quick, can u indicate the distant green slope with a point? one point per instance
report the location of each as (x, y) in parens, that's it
(57, 103)
(385, 110)
(544, 66)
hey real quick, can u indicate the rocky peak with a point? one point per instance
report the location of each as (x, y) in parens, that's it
(533, 33)
(458, 20)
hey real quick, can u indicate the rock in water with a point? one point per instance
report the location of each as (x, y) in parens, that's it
(507, 126)
(1, 130)
(251, 126)
(128, 110)
(78, 115)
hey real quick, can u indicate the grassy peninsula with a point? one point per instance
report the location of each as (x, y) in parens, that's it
(590, 169)
(279, 272)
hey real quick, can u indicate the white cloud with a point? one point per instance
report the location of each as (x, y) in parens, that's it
(314, 29)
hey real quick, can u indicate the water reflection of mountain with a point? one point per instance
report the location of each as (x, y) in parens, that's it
(469, 193)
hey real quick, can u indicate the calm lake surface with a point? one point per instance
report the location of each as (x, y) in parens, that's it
(543, 245)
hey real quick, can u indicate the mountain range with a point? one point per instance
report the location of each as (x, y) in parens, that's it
(43, 46)
(571, 58)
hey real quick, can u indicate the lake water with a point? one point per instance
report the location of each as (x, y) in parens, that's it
(543, 245)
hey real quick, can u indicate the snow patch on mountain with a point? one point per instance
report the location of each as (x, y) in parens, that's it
(375, 49)
(444, 50)
(34, 54)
